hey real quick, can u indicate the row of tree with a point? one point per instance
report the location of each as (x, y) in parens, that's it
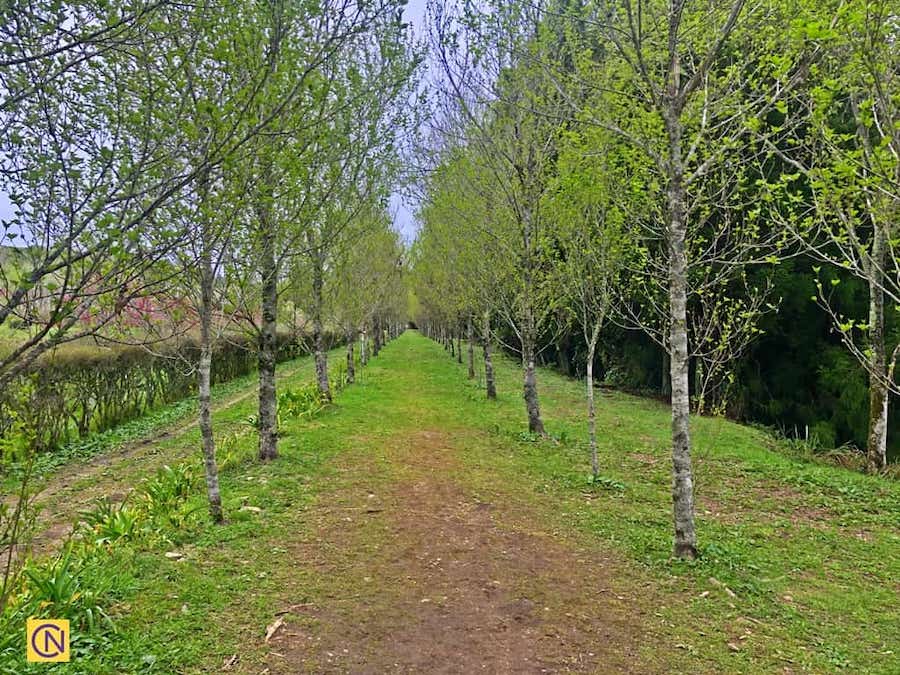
(649, 165)
(230, 163)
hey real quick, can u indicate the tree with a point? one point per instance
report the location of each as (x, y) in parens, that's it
(313, 56)
(94, 143)
(460, 267)
(840, 140)
(592, 244)
(493, 93)
(86, 135)
(669, 80)
(216, 104)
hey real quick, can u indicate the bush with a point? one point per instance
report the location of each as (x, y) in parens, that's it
(79, 390)
(305, 401)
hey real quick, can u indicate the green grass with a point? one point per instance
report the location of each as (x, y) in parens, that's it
(144, 427)
(134, 574)
(808, 553)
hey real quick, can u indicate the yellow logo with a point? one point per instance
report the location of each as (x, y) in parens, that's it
(48, 640)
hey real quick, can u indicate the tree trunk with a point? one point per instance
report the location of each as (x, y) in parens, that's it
(470, 335)
(450, 343)
(879, 397)
(529, 331)
(376, 342)
(532, 405)
(318, 333)
(699, 392)
(363, 347)
(351, 366)
(682, 473)
(562, 355)
(666, 383)
(210, 467)
(268, 423)
(880, 374)
(488, 363)
(592, 413)
(459, 344)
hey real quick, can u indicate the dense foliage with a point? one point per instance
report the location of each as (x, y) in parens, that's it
(85, 389)
(697, 199)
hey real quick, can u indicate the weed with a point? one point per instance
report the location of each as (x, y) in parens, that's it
(302, 402)
(233, 450)
(169, 489)
(108, 523)
(604, 483)
(59, 591)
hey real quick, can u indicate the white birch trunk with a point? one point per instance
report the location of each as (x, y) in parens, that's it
(489, 384)
(470, 335)
(592, 412)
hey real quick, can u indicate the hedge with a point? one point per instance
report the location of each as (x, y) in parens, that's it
(80, 389)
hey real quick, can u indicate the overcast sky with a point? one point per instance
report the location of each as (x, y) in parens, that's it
(414, 14)
(403, 212)
(5, 207)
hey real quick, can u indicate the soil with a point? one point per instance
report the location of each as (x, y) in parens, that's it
(455, 584)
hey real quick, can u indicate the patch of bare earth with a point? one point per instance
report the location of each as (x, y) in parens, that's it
(453, 584)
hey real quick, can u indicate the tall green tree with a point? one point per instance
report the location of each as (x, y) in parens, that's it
(840, 139)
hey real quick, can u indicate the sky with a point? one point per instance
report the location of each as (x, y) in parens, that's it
(5, 206)
(404, 220)
(414, 14)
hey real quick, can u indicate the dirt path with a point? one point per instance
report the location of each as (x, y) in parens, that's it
(74, 488)
(427, 578)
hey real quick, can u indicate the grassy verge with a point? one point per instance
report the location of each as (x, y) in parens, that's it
(119, 559)
(144, 427)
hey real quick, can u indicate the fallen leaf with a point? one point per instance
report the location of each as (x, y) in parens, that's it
(718, 583)
(272, 628)
(229, 662)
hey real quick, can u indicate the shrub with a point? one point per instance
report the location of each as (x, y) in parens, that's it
(108, 523)
(82, 389)
(303, 402)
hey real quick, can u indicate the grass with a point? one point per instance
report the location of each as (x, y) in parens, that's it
(144, 427)
(809, 551)
(799, 561)
(136, 570)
